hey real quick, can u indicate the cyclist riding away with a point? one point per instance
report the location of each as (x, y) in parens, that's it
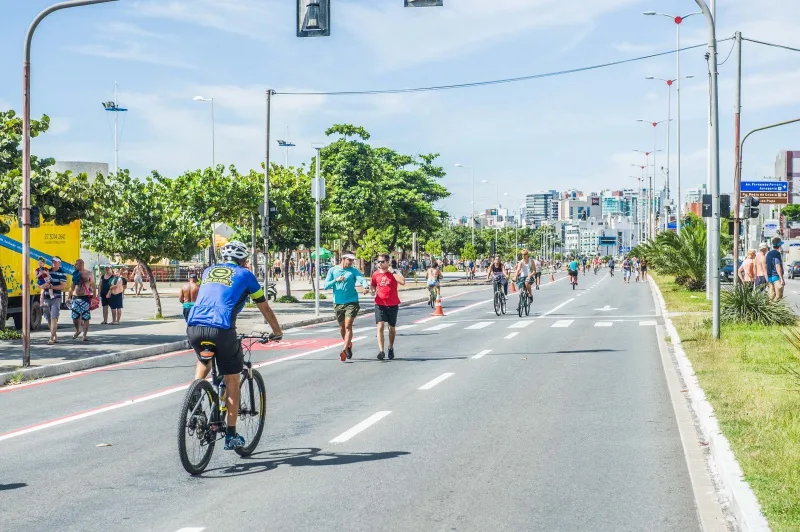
(573, 271)
(583, 265)
(596, 263)
(212, 325)
(433, 275)
(525, 272)
(611, 266)
(497, 272)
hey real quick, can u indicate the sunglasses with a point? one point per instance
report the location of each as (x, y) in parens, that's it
(381, 261)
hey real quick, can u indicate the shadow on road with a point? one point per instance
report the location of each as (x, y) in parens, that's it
(16, 485)
(268, 460)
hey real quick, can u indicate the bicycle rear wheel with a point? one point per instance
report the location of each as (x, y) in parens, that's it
(252, 412)
(195, 439)
(497, 302)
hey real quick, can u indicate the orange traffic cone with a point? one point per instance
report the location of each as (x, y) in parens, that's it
(513, 286)
(438, 309)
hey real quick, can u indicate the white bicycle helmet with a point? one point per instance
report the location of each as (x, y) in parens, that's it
(234, 251)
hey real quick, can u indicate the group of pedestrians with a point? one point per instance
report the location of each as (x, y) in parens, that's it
(765, 269)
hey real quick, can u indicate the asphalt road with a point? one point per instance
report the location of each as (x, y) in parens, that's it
(557, 421)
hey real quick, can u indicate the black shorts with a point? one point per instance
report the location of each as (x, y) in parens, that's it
(103, 299)
(115, 301)
(224, 343)
(573, 273)
(538, 274)
(387, 314)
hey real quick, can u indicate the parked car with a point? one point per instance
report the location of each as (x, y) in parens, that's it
(726, 272)
(794, 269)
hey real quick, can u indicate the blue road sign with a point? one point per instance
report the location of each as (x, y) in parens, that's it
(765, 186)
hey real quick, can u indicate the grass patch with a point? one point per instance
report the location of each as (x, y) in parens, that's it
(677, 298)
(16, 378)
(10, 334)
(747, 379)
(310, 295)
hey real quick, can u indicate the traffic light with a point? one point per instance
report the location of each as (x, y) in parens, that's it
(724, 205)
(751, 209)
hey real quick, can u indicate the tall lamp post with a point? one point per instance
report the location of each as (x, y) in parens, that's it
(472, 212)
(638, 214)
(211, 257)
(516, 225)
(669, 83)
(678, 21)
(26, 169)
(655, 144)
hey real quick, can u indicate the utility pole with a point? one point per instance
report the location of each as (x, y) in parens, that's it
(737, 177)
(711, 123)
(265, 221)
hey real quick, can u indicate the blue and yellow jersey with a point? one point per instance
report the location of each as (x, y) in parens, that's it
(222, 295)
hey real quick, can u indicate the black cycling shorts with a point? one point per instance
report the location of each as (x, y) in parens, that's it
(386, 314)
(538, 274)
(224, 343)
(573, 273)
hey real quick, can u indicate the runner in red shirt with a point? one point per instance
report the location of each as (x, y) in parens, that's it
(384, 288)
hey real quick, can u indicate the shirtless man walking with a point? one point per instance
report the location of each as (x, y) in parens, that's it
(189, 293)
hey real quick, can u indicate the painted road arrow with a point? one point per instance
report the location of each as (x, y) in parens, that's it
(606, 308)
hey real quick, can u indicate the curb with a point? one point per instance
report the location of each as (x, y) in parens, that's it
(729, 476)
(149, 351)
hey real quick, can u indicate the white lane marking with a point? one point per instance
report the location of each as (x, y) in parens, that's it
(562, 323)
(191, 529)
(512, 335)
(136, 400)
(434, 382)
(520, 324)
(402, 327)
(482, 353)
(570, 300)
(371, 420)
(603, 324)
(647, 323)
(363, 329)
(479, 325)
(439, 327)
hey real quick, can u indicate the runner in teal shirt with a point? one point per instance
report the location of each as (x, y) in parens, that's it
(343, 279)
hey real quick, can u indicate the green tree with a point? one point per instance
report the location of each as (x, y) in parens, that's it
(163, 228)
(433, 248)
(60, 196)
(468, 252)
(791, 212)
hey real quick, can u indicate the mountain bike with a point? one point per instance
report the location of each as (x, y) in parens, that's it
(524, 304)
(499, 297)
(203, 416)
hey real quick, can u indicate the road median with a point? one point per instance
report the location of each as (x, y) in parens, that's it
(744, 396)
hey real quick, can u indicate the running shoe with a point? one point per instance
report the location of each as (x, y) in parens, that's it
(343, 356)
(349, 351)
(381, 355)
(233, 442)
(391, 353)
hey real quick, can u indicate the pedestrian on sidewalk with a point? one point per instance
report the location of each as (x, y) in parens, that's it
(643, 267)
(52, 292)
(189, 293)
(138, 279)
(747, 270)
(81, 294)
(761, 267)
(291, 269)
(105, 286)
(775, 281)
(383, 286)
(343, 279)
(43, 278)
(276, 268)
(115, 294)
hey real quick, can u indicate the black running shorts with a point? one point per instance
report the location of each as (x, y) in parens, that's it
(227, 348)
(386, 314)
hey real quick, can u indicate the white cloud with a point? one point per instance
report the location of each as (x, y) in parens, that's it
(4, 105)
(130, 51)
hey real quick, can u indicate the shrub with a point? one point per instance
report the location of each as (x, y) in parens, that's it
(742, 304)
(310, 295)
(10, 334)
(287, 299)
(450, 268)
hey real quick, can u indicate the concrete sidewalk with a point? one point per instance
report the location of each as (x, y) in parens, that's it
(139, 337)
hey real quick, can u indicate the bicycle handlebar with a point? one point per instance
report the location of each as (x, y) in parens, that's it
(262, 338)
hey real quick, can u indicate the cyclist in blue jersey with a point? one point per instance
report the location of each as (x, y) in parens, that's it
(211, 326)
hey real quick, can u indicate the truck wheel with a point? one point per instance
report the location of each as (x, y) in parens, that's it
(17, 321)
(36, 315)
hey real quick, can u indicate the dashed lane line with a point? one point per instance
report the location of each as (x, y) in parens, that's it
(361, 427)
(512, 335)
(482, 353)
(434, 382)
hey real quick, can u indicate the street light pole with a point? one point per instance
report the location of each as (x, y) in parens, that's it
(317, 232)
(265, 221)
(26, 169)
(211, 256)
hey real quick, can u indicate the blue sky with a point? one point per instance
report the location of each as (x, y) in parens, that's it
(574, 131)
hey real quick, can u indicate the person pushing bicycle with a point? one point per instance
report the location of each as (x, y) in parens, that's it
(211, 325)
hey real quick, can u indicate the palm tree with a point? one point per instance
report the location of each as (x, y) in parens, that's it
(683, 256)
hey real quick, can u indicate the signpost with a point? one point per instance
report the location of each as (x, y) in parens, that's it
(775, 192)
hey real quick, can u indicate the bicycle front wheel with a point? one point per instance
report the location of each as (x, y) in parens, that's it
(195, 438)
(503, 304)
(528, 306)
(252, 412)
(522, 297)
(497, 302)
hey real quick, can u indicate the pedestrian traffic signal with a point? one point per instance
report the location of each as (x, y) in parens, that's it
(724, 205)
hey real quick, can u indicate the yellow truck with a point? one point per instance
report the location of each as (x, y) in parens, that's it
(47, 240)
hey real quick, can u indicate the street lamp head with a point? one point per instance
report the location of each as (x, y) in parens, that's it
(199, 98)
(688, 77)
(649, 13)
(649, 77)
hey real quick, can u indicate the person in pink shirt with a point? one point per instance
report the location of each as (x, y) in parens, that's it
(747, 271)
(384, 287)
